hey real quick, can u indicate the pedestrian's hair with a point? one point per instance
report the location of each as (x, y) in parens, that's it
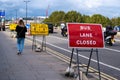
(21, 22)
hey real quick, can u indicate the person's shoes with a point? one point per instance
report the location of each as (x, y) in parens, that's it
(18, 53)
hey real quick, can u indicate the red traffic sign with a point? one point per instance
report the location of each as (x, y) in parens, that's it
(85, 35)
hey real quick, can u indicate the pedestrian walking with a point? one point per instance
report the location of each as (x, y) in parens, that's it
(21, 30)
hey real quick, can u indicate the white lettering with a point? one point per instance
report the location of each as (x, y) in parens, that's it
(86, 42)
(85, 28)
(86, 35)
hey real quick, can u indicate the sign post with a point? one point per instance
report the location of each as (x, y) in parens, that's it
(85, 35)
(12, 28)
(39, 29)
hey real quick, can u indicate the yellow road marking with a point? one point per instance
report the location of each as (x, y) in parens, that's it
(67, 60)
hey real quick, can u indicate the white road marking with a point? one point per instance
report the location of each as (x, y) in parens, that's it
(118, 69)
(112, 49)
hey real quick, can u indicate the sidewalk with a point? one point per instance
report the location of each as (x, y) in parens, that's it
(30, 65)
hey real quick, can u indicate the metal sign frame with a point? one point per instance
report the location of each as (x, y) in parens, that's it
(89, 61)
(39, 29)
(35, 43)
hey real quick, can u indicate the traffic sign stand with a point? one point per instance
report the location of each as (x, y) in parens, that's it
(44, 43)
(89, 61)
(35, 45)
(85, 35)
(37, 29)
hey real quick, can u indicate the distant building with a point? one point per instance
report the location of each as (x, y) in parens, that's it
(40, 19)
(37, 19)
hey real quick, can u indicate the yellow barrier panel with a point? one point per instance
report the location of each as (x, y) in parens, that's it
(38, 29)
(12, 26)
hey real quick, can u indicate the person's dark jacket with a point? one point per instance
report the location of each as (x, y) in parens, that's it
(110, 31)
(21, 31)
(109, 28)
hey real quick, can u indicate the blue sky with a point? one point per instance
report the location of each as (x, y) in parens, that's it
(108, 8)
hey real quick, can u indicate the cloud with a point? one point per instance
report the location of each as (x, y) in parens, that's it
(93, 4)
(43, 4)
(22, 10)
(109, 8)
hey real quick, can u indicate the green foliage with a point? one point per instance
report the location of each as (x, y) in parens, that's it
(115, 21)
(56, 17)
(85, 19)
(73, 16)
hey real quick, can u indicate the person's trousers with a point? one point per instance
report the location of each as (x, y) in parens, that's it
(20, 44)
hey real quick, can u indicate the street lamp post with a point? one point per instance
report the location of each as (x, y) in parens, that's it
(26, 9)
(47, 11)
(16, 15)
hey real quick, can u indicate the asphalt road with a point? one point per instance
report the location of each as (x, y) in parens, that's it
(109, 56)
(29, 65)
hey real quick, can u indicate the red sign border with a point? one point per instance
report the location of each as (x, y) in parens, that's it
(85, 47)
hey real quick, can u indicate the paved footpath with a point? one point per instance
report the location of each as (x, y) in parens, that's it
(30, 65)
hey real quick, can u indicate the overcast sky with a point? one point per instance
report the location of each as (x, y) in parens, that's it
(108, 8)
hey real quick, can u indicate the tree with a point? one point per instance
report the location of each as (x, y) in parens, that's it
(56, 17)
(85, 19)
(99, 19)
(73, 16)
(115, 21)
